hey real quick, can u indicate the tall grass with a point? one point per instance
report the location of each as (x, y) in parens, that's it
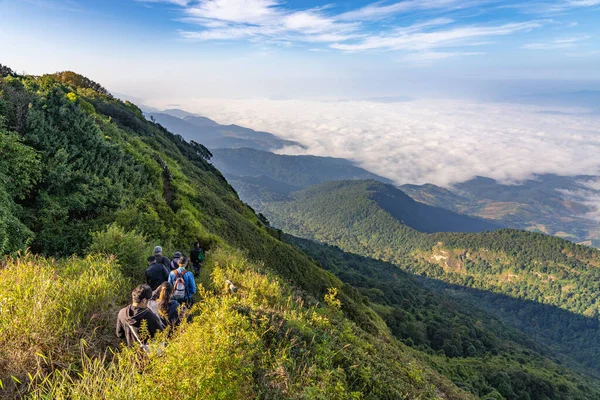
(48, 307)
(265, 341)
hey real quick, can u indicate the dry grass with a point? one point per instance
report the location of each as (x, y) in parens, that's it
(48, 308)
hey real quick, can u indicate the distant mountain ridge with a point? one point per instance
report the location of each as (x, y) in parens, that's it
(214, 135)
(551, 204)
(299, 171)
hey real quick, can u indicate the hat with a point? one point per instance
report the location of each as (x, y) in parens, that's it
(177, 254)
(157, 250)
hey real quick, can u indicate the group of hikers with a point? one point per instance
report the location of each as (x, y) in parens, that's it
(170, 284)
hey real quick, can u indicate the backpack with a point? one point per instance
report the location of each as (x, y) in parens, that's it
(200, 255)
(179, 289)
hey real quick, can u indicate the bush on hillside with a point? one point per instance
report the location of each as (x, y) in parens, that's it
(130, 248)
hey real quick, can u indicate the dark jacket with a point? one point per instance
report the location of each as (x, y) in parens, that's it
(156, 274)
(195, 255)
(160, 259)
(131, 316)
(173, 314)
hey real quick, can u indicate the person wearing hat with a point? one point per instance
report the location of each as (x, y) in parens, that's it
(175, 263)
(160, 259)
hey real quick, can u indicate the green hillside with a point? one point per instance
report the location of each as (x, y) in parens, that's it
(521, 265)
(89, 186)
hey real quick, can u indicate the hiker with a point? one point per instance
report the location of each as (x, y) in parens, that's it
(160, 258)
(174, 264)
(130, 318)
(156, 273)
(196, 257)
(184, 286)
(163, 305)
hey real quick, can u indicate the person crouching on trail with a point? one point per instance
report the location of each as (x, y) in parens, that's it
(184, 286)
(131, 318)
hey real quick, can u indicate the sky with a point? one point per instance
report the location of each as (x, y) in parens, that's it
(309, 49)
(435, 91)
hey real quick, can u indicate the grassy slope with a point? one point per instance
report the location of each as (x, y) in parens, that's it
(103, 162)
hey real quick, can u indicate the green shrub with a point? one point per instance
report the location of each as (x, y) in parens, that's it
(130, 248)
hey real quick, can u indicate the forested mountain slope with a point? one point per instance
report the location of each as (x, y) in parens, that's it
(343, 199)
(425, 320)
(521, 265)
(85, 178)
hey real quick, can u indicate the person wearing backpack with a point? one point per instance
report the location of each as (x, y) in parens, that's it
(175, 262)
(156, 273)
(131, 318)
(184, 285)
(160, 258)
(196, 257)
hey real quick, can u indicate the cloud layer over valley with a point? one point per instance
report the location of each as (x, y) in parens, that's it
(427, 141)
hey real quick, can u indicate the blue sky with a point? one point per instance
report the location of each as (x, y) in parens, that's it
(295, 49)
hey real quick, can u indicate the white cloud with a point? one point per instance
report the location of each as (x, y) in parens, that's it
(427, 40)
(273, 20)
(265, 20)
(583, 3)
(562, 5)
(181, 3)
(437, 141)
(556, 44)
(380, 10)
(587, 194)
(241, 11)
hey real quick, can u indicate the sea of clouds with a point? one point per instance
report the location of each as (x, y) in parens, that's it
(425, 141)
